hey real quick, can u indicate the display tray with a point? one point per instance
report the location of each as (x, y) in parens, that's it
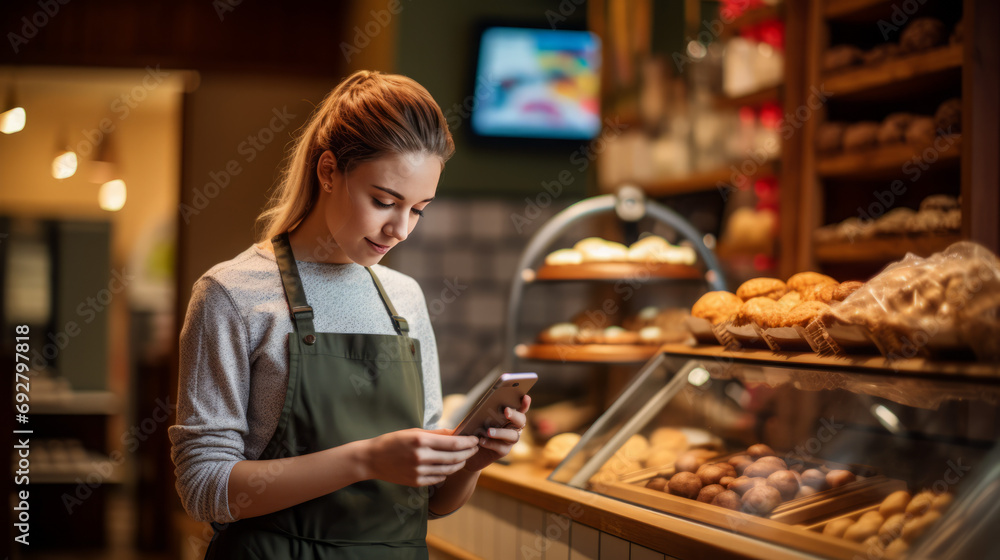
(601, 353)
(979, 371)
(617, 271)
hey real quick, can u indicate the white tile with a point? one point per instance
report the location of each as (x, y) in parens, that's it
(642, 553)
(505, 544)
(557, 534)
(613, 548)
(531, 533)
(584, 542)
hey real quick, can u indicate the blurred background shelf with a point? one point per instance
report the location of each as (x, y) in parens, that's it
(705, 181)
(587, 353)
(898, 77)
(753, 99)
(882, 249)
(617, 271)
(76, 402)
(886, 159)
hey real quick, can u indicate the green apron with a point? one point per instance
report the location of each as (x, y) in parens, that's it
(341, 388)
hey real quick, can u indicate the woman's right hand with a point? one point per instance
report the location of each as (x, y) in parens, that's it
(417, 457)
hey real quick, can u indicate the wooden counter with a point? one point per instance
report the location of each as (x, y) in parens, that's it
(517, 513)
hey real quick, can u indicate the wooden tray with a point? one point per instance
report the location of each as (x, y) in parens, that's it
(594, 353)
(618, 271)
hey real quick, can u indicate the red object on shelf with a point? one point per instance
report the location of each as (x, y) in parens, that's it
(770, 115)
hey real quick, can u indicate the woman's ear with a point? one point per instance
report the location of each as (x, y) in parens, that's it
(326, 170)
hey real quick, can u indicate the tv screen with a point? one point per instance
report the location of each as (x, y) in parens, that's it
(537, 83)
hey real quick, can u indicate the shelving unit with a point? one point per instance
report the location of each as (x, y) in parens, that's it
(703, 181)
(834, 186)
(613, 271)
(587, 353)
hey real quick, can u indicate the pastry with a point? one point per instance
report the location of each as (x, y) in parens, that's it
(922, 34)
(790, 300)
(830, 137)
(804, 281)
(655, 249)
(880, 53)
(921, 131)
(590, 336)
(762, 287)
(558, 447)
(563, 257)
(893, 128)
(820, 292)
(894, 221)
(559, 333)
(948, 117)
(942, 202)
(845, 289)
(669, 438)
(595, 249)
(841, 56)
(618, 335)
(953, 219)
(804, 313)
(762, 311)
(644, 318)
(860, 136)
(716, 307)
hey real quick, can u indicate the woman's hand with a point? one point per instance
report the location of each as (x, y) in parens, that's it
(417, 457)
(498, 442)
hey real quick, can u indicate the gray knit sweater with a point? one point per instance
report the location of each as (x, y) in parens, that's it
(234, 360)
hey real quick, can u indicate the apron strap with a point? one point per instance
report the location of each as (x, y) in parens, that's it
(302, 313)
(398, 322)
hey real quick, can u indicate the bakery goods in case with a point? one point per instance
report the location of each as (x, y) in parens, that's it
(651, 249)
(716, 307)
(770, 288)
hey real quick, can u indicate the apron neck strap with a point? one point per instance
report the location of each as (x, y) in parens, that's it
(302, 313)
(398, 322)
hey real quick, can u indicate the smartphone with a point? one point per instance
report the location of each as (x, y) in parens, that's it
(488, 413)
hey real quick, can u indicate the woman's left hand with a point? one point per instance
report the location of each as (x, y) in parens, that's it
(498, 442)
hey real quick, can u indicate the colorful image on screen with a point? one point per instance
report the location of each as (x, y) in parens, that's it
(538, 83)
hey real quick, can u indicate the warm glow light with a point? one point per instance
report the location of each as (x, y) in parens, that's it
(13, 120)
(112, 195)
(64, 165)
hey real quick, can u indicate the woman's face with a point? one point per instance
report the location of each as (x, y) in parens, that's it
(376, 205)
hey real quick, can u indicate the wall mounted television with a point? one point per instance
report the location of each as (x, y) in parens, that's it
(537, 84)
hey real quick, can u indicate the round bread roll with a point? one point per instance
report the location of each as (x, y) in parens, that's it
(861, 135)
(942, 501)
(729, 500)
(805, 313)
(708, 493)
(894, 503)
(716, 307)
(758, 450)
(920, 503)
(740, 462)
(830, 137)
(805, 491)
(838, 477)
(657, 483)
(636, 449)
(760, 310)
(804, 281)
(921, 131)
(786, 482)
(894, 221)
(859, 531)
(648, 249)
(948, 117)
(872, 517)
(711, 474)
(815, 478)
(897, 548)
(761, 500)
(771, 288)
(893, 525)
(564, 257)
(893, 128)
(939, 202)
(841, 56)
(763, 469)
(845, 289)
(790, 300)
(618, 335)
(558, 447)
(922, 34)
(685, 484)
(689, 461)
(837, 527)
(744, 483)
(915, 528)
(727, 480)
(669, 438)
(559, 333)
(661, 457)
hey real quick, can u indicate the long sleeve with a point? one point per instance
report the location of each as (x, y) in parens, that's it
(213, 393)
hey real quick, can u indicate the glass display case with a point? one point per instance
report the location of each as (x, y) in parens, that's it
(839, 458)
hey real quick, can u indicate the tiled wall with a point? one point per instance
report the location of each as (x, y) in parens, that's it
(495, 526)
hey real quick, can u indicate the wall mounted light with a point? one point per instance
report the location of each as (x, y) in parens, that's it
(65, 163)
(13, 117)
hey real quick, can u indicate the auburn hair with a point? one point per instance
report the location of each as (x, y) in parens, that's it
(367, 116)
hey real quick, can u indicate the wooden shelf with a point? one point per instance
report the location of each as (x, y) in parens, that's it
(615, 271)
(898, 77)
(704, 181)
(855, 364)
(588, 353)
(76, 402)
(856, 10)
(883, 249)
(752, 99)
(885, 159)
(72, 473)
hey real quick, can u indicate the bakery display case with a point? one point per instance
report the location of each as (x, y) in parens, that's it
(828, 457)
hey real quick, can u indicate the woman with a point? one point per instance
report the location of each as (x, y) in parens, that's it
(307, 398)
